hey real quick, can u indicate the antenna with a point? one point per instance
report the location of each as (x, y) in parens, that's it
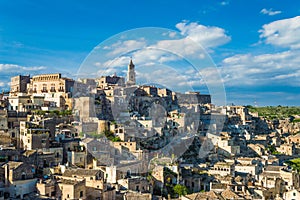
(255, 103)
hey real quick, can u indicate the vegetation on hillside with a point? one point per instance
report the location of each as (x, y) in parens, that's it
(180, 190)
(110, 135)
(272, 150)
(294, 164)
(276, 112)
(53, 112)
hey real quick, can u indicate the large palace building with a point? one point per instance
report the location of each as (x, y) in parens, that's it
(53, 88)
(50, 83)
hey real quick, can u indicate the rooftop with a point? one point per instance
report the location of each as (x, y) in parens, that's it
(81, 172)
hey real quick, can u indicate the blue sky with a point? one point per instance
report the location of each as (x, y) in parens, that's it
(255, 44)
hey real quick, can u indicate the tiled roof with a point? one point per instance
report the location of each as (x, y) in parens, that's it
(28, 153)
(13, 164)
(203, 196)
(80, 172)
(228, 194)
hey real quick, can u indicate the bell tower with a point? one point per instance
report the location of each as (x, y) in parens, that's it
(131, 74)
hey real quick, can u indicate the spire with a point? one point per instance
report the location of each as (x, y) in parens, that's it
(131, 65)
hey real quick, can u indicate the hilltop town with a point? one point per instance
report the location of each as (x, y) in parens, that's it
(110, 138)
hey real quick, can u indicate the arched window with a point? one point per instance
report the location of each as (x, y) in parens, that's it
(23, 176)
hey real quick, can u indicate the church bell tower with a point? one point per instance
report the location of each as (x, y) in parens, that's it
(131, 74)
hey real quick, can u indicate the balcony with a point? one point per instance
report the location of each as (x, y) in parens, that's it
(61, 90)
(52, 90)
(44, 90)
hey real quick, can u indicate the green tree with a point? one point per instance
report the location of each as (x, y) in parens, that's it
(180, 189)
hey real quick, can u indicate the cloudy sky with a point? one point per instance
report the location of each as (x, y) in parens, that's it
(254, 45)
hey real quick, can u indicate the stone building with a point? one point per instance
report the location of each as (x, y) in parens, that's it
(77, 157)
(71, 189)
(287, 149)
(259, 149)
(3, 120)
(33, 136)
(131, 146)
(150, 90)
(164, 92)
(137, 196)
(94, 180)
(223, 169)
(109, 82)
(138, 184)
(84, 108)
(18, 84)
(53, 87)
(15, 171)
(193, 98)
(19, 179)
(294, 139)
(271, 174)
(292, 194)
(46, 188)
(18, 102)
(50, 83)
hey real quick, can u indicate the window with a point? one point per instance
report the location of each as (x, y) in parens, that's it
(91, 178)
(61, 87)
(52, 87)
(23, 176)
(44, 88)
(81, 193)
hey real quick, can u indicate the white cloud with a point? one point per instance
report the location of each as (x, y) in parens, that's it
(173, 78)
(282, 33)
(207, 36)
(192, 38)
(224, 3)
(9, 70)
(125, 46)
(265, 69)
(293, 75)
(166, 58)
(270, 12)
(5, 68)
